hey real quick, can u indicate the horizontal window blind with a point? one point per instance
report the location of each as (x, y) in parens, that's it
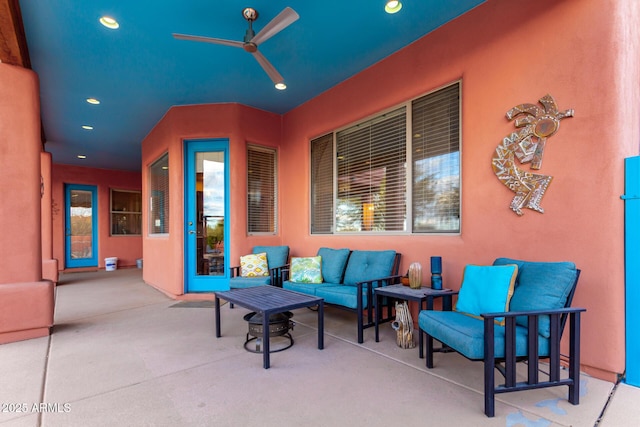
(322, 184)
(159, 203)
(435, 153)
(371, 174)
(262, 190)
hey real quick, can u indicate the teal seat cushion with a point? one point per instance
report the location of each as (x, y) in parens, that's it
(305, 288)
(248, 282)
(333, 263)
(277, 256)
(540, 286)
(345, 296)
(368, 265)
(465, 334)
(486, 289)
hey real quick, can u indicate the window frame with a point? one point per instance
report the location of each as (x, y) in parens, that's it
(113, 212)
(164, 217)
(409, 226)
(273, 153)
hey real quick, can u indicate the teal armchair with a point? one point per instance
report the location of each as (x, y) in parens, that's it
(528, 330)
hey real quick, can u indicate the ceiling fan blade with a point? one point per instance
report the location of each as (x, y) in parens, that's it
(285, 18)
(267, 67)
(208, 40)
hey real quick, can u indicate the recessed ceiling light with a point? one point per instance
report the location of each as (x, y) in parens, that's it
(87, 127)
(93, 101)
(109, 22)
(393, 6)
(81, 156)
(281, 86)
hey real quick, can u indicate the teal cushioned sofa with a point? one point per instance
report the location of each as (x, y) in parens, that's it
(349, 278)
(533, 326)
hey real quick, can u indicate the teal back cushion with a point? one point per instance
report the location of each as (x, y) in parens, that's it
(333, 263)
(277, 256)
(368, 265)
(486, 289)
(540, 286)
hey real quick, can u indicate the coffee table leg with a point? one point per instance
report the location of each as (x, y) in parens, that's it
(217, 309)
(265, 339)
(320, 325)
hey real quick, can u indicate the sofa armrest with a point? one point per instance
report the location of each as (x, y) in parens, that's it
(382, 281)
(234, 271)
(276, 274)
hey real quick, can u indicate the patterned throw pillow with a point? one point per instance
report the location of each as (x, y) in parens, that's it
(254, 265)
(306, 270)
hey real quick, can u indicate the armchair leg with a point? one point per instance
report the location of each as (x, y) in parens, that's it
(489, 369)
(429, 355)
(489, 395)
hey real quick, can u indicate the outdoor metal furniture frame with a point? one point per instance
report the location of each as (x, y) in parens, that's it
(269, 300)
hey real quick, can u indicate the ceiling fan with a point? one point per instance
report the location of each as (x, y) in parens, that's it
(252, 40)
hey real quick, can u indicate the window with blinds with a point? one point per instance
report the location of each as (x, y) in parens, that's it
(435, 151)
(371, 174)
(322, 185)
(159, 201)
(261, 190)
(364, 184)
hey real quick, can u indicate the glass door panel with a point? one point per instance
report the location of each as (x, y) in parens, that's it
(80, 227)
(206, 211)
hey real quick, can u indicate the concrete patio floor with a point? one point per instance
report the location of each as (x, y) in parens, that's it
(124, 354)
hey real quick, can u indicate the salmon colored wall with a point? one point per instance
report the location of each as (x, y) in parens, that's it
(164, 255)
(507, 53)
(26, 301)
(127, 248)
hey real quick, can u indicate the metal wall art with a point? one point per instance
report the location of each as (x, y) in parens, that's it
(527, 145)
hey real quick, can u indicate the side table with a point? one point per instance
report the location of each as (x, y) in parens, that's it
(423, 296)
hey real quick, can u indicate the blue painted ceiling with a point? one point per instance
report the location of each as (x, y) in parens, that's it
(140, 70)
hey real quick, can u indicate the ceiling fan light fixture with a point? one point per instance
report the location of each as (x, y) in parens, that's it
(109, 22)
(281, 86)
(393, 6)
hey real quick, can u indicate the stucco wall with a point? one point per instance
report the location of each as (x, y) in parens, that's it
(127, 248)
(164, 254)
(584, 53)
(26, 300)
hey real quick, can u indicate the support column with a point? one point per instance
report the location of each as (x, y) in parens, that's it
(26, 300)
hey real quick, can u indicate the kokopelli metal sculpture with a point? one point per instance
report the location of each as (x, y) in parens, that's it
(527, 145)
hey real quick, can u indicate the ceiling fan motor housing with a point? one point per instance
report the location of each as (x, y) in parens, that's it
(250, 14)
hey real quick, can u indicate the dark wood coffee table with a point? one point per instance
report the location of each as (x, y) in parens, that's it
(269, 300)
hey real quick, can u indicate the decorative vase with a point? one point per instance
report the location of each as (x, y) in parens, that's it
(415, 275)
(436, 272)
